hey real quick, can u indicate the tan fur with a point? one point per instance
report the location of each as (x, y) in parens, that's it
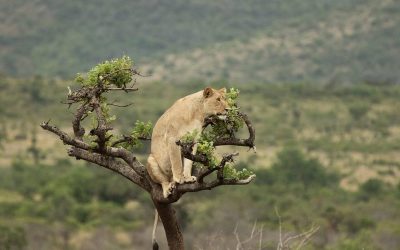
(165, 163)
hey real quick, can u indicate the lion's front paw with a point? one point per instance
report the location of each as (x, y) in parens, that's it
(168, 188)
(190, 179)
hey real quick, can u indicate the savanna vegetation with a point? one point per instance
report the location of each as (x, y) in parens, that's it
(327, 155)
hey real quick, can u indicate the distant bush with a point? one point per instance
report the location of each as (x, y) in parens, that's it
(370, 188)
(293, 166)
(12, 238)
(358, 110)
(362, 241)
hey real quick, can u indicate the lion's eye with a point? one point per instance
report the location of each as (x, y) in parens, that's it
(219, 99)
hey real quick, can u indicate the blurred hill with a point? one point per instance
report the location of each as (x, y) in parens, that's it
(266, 41)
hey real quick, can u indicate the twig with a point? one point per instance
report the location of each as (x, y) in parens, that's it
(120, 106)
(124, 89)
(307, 236)
(261, 234)
(126, 138)
(280, 245)
(239, 243)
(304, 237)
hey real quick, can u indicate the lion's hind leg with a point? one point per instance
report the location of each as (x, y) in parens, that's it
(159, 177)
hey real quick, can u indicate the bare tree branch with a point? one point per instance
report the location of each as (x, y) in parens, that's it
(280, 244)
(181, 189)
(108, 151)
(123, 89)
(79, 131)
(65, 138)
(120, 105)
(110, 163)
(241, 244)
(302, 238)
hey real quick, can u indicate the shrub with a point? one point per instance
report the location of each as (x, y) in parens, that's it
(293, 166)
(358, 110)
(12, 237)
(370, 188)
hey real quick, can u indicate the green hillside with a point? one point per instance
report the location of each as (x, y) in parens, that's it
(326, 155)
(268, 41)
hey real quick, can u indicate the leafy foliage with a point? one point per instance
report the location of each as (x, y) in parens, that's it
(231, 173)
(140, 130)
(206, 147)
(230, 124)
(12, 238)
(115, 71)
(371, 188)
(293, 166)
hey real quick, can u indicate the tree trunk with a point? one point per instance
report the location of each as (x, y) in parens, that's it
(171, 226)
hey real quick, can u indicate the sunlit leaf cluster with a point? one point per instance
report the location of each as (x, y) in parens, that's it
(139, 131)
(113, 72)
(231, 172)
(206, 147)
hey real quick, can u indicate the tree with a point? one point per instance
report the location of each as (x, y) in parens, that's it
(115, 152)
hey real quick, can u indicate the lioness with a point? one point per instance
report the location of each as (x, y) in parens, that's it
(165, 164)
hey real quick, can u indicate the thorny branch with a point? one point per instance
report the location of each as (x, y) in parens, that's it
(127, 138)
(289, 242)
(240, 245)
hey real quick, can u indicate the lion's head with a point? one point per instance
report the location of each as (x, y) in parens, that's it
(214, 101)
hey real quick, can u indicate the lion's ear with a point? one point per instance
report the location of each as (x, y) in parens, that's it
(208, 92)
(223, 90)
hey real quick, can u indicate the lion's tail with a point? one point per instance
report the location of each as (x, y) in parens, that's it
(153, 237)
